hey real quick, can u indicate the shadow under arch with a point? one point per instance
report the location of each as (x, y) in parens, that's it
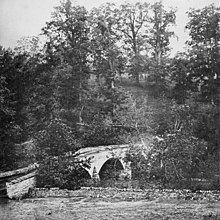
(83, 177)
(111, 169)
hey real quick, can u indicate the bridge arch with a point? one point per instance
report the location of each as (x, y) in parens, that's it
(100, 156)
(111, 168)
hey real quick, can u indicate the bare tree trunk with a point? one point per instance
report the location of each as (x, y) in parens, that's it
(112, 77)
(80, 97)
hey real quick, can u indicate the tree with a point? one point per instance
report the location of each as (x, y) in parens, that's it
(204, 54)
(10, 130)
(106, 53)
(67, 49)
(160, 33)
(59, 93)
(31, 46)
(131, 23)
(182, 85)
(204, 44)
(126, 25)
(159, 40)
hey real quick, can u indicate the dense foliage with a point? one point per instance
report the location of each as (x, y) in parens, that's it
(67, 92)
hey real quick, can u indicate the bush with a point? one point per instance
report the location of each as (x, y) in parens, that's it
(57, 169)
(176, 158)
(61, 172)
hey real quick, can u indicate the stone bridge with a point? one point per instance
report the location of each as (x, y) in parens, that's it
(99, 156)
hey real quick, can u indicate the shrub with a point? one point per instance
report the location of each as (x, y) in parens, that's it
(62, 172)
(176, 158)
(57, 169)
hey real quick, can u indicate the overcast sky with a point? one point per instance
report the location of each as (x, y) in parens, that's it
(26, 17)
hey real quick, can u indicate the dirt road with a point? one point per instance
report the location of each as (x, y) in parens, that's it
(97, 209)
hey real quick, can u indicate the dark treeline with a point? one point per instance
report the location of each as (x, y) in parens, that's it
(65, 92)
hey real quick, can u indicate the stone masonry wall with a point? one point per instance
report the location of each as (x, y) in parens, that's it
(126, 194)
